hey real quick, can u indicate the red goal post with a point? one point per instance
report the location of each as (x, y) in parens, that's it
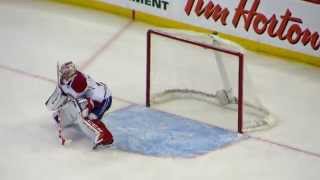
(238, 55)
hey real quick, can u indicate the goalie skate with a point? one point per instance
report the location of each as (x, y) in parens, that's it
(101, 146)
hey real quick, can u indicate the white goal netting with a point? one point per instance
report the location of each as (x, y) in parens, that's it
(190, 79)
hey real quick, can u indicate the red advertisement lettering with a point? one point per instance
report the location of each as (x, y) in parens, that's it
(285, 27)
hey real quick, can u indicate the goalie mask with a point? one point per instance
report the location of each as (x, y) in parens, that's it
(67, 71)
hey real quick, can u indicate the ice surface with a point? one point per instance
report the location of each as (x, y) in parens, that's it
(35, 34)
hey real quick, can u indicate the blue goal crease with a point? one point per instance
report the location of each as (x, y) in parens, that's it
(151, 132)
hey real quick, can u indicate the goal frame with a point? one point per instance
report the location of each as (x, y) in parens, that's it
(238, 55)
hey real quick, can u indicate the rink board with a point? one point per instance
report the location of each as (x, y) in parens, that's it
(151, 132)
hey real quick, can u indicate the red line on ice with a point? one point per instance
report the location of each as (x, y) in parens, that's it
(27, 74)
(286, 146)
(35, 76)
(105, 46)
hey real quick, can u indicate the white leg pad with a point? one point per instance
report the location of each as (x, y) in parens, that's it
(91, 130)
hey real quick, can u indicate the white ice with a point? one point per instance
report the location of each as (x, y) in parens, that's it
(34, 35)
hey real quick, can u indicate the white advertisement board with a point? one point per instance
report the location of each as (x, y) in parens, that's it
(287, 24)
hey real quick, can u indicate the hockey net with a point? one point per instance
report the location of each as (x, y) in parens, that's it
(204, 75)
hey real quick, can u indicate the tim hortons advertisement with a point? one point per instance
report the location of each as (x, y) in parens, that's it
(248, 16)
(288, 24)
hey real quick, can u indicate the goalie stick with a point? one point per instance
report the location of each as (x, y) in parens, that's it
(60, 128)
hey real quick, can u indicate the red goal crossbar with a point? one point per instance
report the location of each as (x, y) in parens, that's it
(203, 45)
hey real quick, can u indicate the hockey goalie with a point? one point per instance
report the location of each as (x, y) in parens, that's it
(78, 100)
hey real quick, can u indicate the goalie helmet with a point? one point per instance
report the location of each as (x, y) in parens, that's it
(67, 71)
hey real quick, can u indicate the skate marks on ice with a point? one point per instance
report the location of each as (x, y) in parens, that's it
(151, 132)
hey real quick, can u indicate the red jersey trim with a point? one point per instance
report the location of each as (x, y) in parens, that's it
(313, 1)
(79, 83)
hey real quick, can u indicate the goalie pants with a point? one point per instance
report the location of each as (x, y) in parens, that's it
(102, 108)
